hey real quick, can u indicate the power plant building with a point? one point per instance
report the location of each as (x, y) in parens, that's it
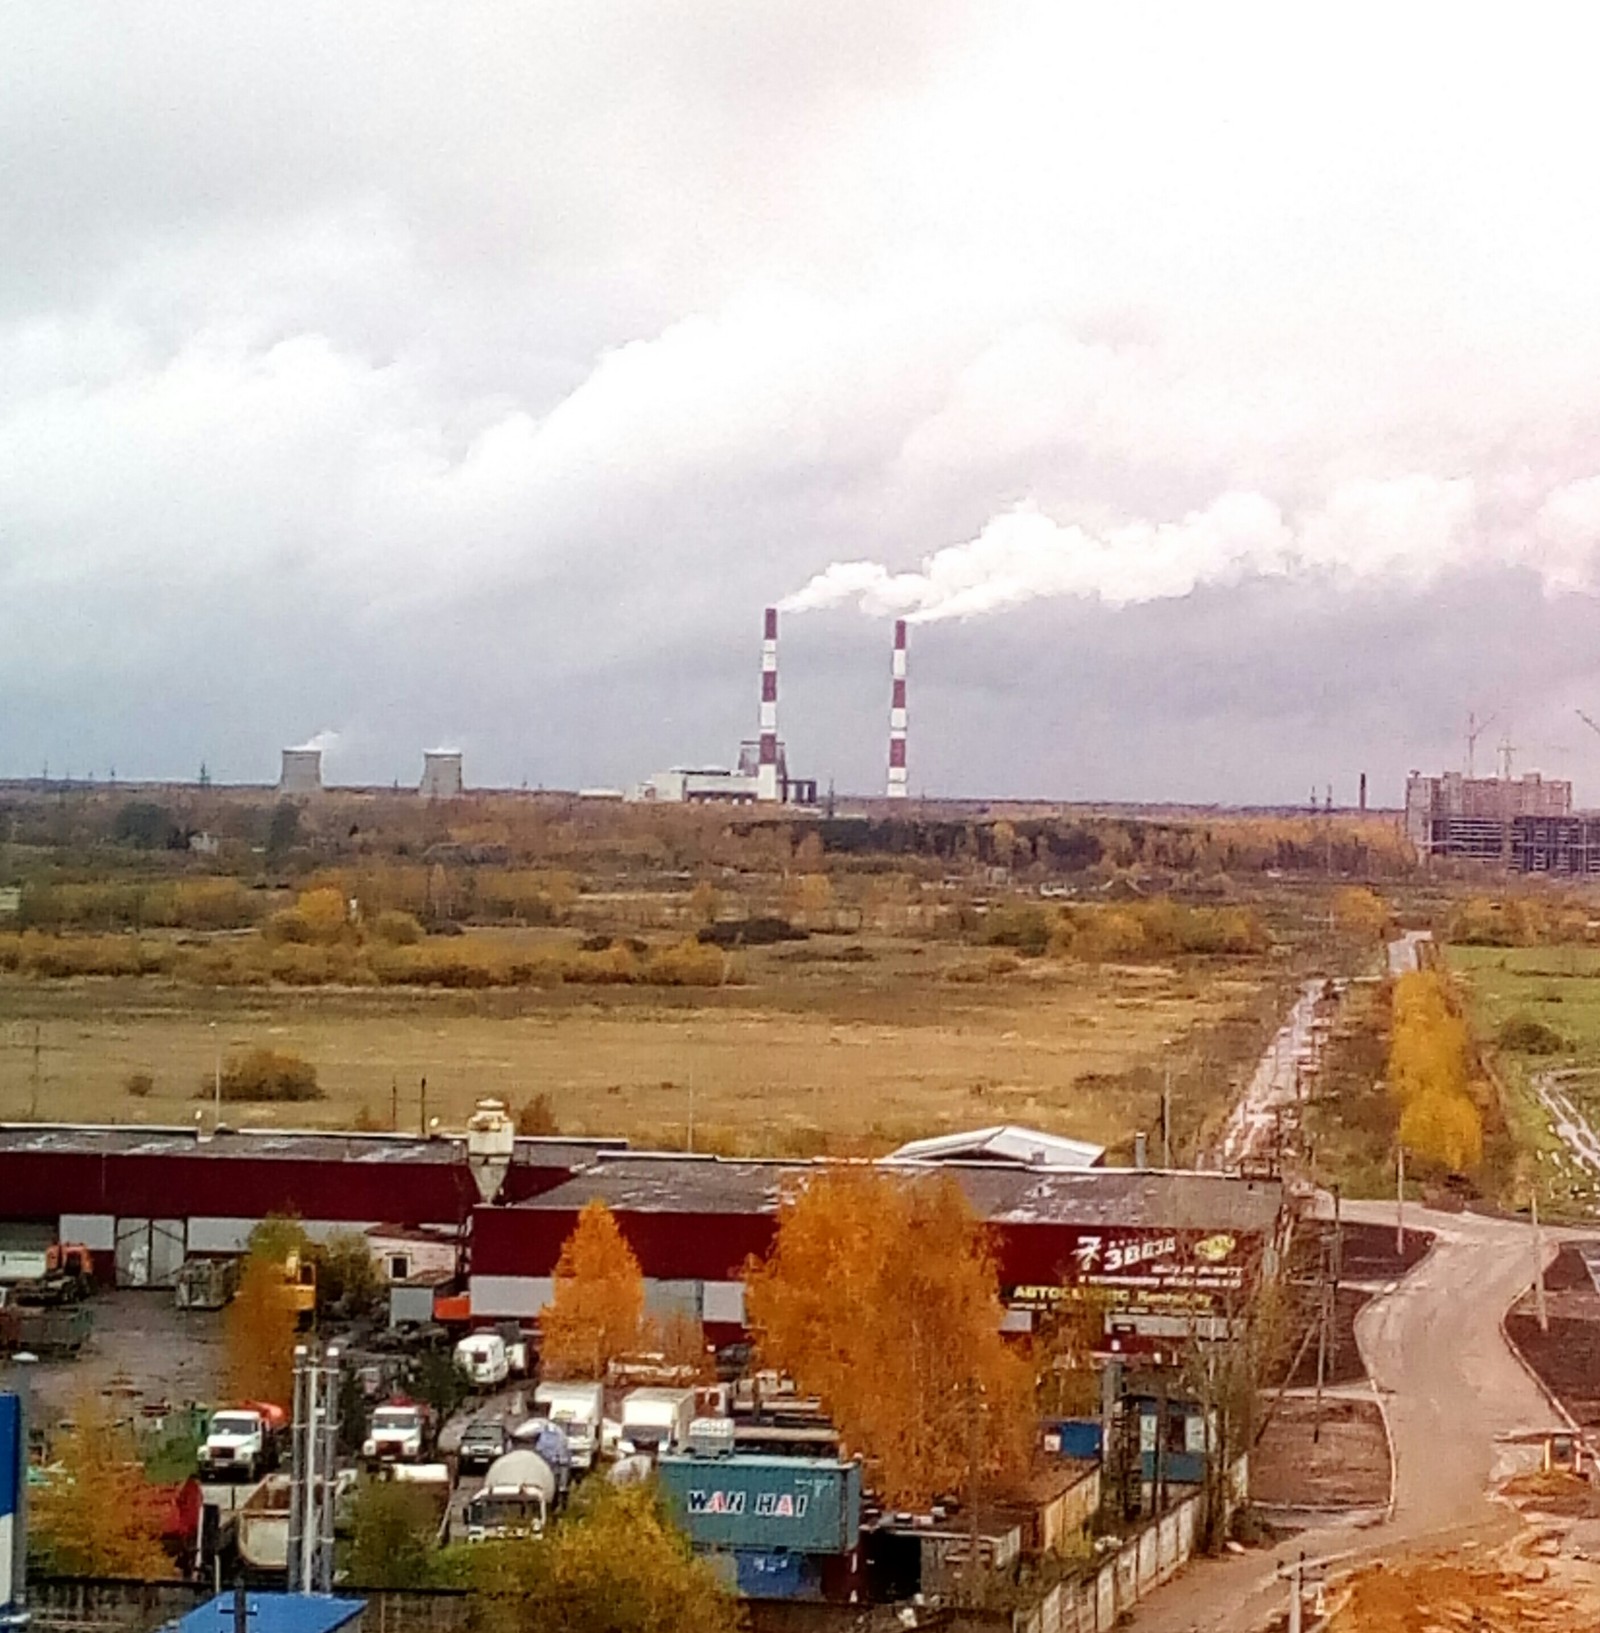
(301, 772)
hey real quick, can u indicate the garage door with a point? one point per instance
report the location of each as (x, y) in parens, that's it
(149, 1252)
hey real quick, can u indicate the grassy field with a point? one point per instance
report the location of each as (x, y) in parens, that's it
(1560, 987)
(881, 1048)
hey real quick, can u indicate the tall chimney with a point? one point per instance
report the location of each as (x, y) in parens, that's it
(897, 715)
(767, 767)
(1363, 790)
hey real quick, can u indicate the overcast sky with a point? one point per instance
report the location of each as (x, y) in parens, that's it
(1219, 394)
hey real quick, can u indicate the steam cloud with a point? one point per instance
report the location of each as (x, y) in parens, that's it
(1408, 529)
(325, 742)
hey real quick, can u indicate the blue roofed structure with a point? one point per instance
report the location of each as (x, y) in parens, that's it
(266, 1612)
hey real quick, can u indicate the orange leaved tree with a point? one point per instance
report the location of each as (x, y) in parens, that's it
(96, 1514)
(598, 1308)
(880, 1296)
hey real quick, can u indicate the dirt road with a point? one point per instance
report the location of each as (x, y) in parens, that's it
(1452, 1391)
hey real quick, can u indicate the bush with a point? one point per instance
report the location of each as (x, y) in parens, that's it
(537, 1116)
(398, 929)
(1530, 1037)
(763, 930)
(138, 1084)
(265, 1075)
(688, 963)
(1022, 926)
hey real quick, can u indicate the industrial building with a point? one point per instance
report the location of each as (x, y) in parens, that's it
(441, 774)
(762, 774)
(1524, 824)
(147, 1198)
(301, 772)
(1170, 1251)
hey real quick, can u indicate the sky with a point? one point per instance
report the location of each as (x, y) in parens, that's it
(1216, 390)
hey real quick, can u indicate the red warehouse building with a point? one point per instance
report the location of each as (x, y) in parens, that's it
(1171, 1251)
(147, 1198)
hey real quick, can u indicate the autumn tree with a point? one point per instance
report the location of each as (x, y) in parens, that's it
(97, 1515)
(880, 1296)
(392, 1528)
(259, 1333)
(1360, 912)
(615, 1564)
(1431, 1062)
(598, 1308)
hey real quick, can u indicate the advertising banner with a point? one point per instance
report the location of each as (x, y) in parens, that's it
(11, 1506)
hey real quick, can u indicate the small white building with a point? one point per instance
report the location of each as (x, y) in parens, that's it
(410, 1252)
(1024, 1147)
(441, 774)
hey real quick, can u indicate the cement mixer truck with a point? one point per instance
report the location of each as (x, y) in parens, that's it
(514, 1500)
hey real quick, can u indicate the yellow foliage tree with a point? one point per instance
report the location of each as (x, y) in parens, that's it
(880, 1296)
(598, 1309)
(259, 1333)
(97, 1515)
(1430, 1073)
(324, 912)
(1360, 912)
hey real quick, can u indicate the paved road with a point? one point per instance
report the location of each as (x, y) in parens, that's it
(1452, 1391)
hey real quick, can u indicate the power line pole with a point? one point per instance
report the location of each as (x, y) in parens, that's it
(33, 1099)
(1400, 1201)
(1539, 1307)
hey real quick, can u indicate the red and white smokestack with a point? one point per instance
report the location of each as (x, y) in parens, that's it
(897, 715)
(767, 765)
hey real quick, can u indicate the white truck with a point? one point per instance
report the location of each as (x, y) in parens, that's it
(399, 1433)
(487, 1360)
(576, 1409)
(241, 1440)
(514, 1499)
(655, 1421)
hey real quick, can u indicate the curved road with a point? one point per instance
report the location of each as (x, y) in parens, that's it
(1452, 1391)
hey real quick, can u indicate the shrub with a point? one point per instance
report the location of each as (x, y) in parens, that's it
(398, 929)
(1530, 1037)
(687, 963)
(138, 1084)
(266, 1075)
(537, 1116)
(762, 930)
(1022, 925)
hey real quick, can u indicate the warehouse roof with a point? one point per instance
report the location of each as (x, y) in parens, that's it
(303, 1145)
(1001, 1193)
(1003, 1143)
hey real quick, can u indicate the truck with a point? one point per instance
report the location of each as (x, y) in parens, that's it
(488, 1359)
(577, 1410)
(242, 1440)
(261, 1523)
(655, 1421)
(47, 1272)
(799, 1505)
(400, 1432)
(550, 1442)
(41, 1329)
(514, 1500)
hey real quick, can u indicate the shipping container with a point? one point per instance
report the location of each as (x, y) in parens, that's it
(787, 1504)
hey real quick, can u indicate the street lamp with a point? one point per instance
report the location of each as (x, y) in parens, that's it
(216, 1052)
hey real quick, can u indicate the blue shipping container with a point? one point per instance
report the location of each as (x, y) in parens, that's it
(776, 1576)
(1073, 1437)
(800, 1505)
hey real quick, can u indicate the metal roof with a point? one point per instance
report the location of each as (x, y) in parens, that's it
(273, 1613)
(302, 1145)
(1001, 1193)
(1005, 1142)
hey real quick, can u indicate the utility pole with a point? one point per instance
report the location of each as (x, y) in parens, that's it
(216, 1061)
(1338, 1272)
(1296, 1579)
(974, 1457)
(33, 1099)
(1400, 1201)
(1540, 1309)
(1166, 1118)
(422, 1109)
(1322, 1342)
(394, 1104)
(691, 1108)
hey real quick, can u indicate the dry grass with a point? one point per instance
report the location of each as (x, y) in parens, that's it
(855, 1050)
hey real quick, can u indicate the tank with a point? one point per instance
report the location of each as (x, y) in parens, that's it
(804, 1505)
(550, 1442)
(514, 1499)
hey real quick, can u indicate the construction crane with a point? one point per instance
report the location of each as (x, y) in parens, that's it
(1587, 721)
(1475, 729)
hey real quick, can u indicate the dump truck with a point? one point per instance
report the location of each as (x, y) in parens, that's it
(242, 1440)
(46, 1272)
